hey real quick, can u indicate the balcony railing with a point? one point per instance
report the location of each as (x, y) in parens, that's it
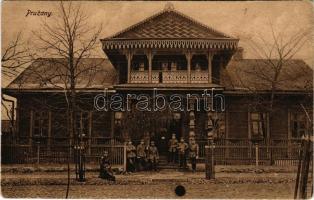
(175, 77)
(199, 76)
(139, 77)
(155, 76)
(180, 76)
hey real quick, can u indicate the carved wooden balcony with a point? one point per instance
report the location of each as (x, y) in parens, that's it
(139, 76)
(180, 76)
(175, 77)
(155, 76)
(199, 76)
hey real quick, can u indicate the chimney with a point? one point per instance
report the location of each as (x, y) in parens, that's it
(238, 55)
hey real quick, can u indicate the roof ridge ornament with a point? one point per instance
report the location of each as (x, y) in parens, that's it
(169, 7)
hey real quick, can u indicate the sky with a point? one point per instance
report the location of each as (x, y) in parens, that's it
(238, 19)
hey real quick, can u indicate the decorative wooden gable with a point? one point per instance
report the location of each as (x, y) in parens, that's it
(169, 29)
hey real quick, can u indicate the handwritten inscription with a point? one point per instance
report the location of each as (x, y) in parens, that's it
(38, 13)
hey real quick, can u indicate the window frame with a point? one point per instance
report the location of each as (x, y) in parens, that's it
(40, 123)
(262, 125)
(295, 120)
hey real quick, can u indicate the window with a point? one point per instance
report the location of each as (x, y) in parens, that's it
(258, 124)
(59, 124)
(298, 124)
(40, 123)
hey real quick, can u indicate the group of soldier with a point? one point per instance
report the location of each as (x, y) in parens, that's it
(145, 157)
(180, 150)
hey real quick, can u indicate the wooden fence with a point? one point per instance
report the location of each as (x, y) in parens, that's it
(58, 154)
(237, 151)
(226, 152)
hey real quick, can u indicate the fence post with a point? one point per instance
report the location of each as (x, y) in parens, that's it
(124, 157)
(297, 182)
(212, 161)
(209, 162)
(256, 155)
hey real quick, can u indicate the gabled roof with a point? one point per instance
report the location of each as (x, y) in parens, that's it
(169, 29)
(256, 74)
(169, 24)
(52, 73)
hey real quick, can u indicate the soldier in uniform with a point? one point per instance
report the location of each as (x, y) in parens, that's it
(173, 144)
(105, 168)
(193, 153)
(130, 152)
(141, 156)
(182, 148)
(153, 156)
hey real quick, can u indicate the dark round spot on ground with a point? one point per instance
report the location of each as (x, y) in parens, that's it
(180, 190)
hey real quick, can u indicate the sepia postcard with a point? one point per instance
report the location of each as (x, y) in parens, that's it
(157, 99)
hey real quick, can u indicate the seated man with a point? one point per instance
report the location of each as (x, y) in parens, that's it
(105, 168)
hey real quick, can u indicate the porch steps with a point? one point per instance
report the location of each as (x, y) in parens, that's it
(168, 166)
(163, 164)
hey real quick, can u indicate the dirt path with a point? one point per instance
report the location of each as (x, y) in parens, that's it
(264, 191)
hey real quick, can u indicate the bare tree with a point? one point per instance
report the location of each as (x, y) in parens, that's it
(274, 55)
(67, 42)
(272, 69)
(15, 57)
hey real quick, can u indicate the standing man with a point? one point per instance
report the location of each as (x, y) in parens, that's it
(182, 148)
(173, 144)
(130, 152)
(141, 156)
(193, 153)
(153, 156)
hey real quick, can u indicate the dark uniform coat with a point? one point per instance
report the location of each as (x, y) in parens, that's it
(182, 147)
(173, 144)
(153, 153)
(140, 150)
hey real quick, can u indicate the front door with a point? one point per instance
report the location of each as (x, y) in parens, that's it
(163, 136)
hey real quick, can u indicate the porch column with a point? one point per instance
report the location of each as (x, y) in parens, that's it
(221, 66)
(210, 58)
(191, 121)
(129, 59)
(150, 58)
(188, 56)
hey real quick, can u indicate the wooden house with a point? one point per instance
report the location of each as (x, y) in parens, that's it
(173, 54)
